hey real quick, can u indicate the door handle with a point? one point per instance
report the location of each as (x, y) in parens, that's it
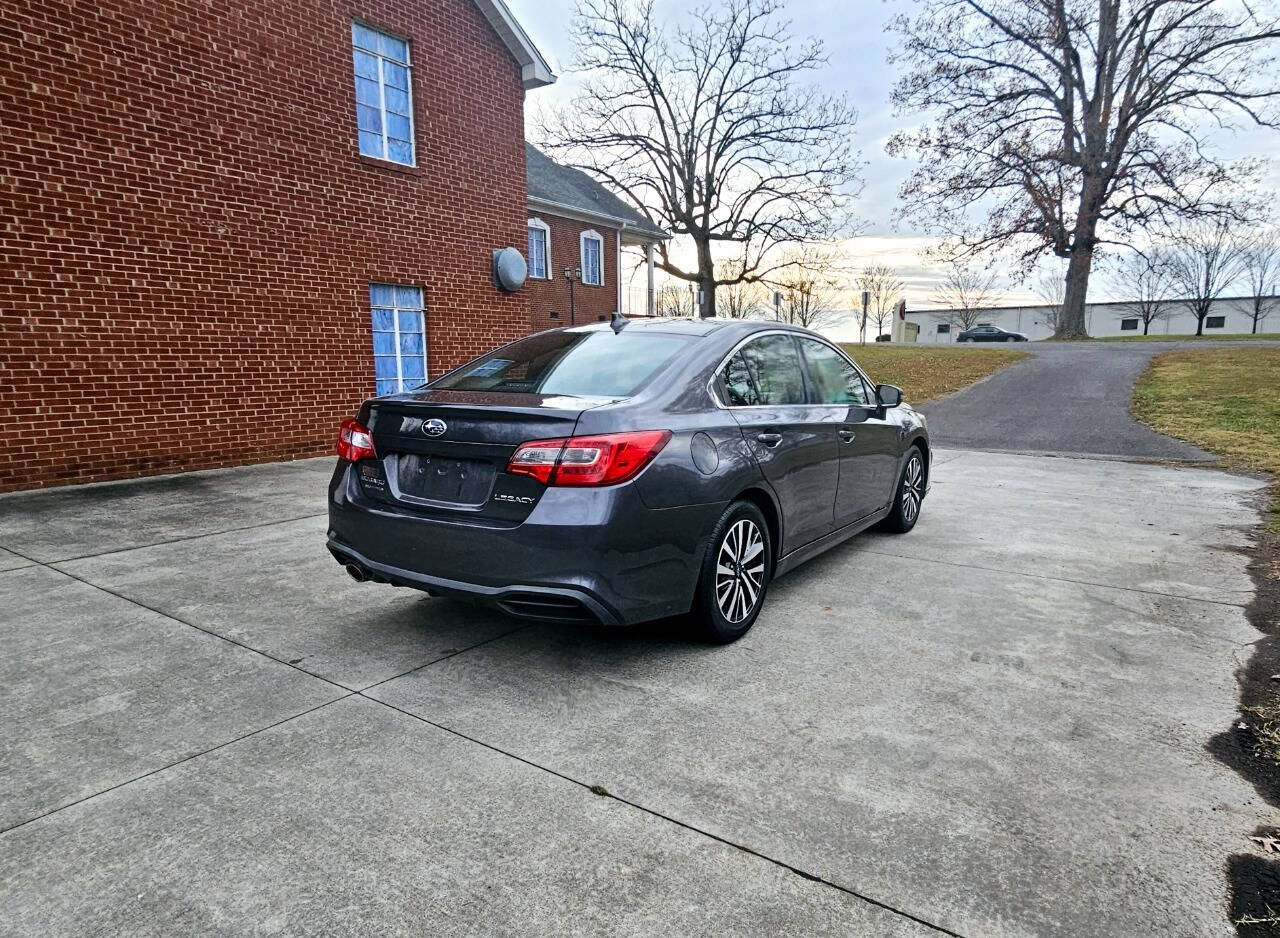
(769, 438)
(848, 436)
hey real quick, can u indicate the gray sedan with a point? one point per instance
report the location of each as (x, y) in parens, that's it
(615, 473)
(985, 332)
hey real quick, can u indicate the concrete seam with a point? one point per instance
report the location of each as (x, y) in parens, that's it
(170, 765)
(452, 654)
(600, 792)
(175, 540)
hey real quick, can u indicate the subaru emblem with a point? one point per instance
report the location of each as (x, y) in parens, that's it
(434, 427)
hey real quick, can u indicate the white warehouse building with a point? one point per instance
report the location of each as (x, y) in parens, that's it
(1226, 316)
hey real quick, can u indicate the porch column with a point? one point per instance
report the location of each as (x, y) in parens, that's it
(648, 256)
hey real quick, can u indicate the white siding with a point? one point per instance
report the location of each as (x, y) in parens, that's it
(1101, 319)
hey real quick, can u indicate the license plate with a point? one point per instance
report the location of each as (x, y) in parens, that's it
(441, 479)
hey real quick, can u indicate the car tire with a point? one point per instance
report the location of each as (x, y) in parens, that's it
(724, 608)
(909, 498)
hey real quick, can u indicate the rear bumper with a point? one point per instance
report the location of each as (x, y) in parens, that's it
(554, 604)
(596, 555)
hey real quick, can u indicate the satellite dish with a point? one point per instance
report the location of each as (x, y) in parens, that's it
(509, 269)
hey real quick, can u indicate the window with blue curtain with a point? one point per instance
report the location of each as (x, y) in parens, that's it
(384, 106)
(399, 337)
(538, 248)
(592, 257)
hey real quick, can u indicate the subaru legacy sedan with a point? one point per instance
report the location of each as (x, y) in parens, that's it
(618, 472)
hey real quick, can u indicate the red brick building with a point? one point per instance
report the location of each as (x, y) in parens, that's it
(225, 224)
(578, 231)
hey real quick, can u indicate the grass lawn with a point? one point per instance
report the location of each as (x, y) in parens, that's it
(1226, 401)
(926, 373)
(1207, 337)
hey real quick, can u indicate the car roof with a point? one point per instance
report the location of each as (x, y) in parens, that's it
(646, 324)
(690, 326)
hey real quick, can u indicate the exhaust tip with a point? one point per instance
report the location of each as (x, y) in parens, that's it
(357, 572)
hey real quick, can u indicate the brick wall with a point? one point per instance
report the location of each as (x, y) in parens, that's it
(550, 298)
(189, 232)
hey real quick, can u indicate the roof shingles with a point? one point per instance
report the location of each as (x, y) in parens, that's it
(548, 181)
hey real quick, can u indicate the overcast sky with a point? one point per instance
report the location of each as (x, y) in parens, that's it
(857, 45)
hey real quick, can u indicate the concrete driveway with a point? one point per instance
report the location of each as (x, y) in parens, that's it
(995, 725)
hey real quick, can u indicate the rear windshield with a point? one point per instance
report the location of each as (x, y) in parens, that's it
(573, 364)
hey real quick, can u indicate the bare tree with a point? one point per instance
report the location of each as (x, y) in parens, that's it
(674, 299)
(885, 287)
(810, 283)
(737, 298)
(1147, 279)
(1261, 261)
(1065, 123)
(1052, 290)
(967, 290)
(709, 130)
(1205, 261)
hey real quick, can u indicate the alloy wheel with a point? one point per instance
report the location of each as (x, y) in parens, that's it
(912, 489)
(740, 570)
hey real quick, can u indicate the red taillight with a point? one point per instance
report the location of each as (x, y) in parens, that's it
(536, 458)
(355, 442)
(589, 460)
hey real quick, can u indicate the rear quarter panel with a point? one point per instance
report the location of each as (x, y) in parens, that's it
(707, 461)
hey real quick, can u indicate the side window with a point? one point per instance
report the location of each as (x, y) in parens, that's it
(774, 364)
(384, 111)
(399, 337)
(592, 259)
(539, 249)
(836, 381)
(739, 385)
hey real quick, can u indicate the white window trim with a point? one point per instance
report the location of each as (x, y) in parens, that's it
(546, 234)
(382, 97)
(582, 256)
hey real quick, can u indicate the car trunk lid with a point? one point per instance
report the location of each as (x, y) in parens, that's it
(445, 452)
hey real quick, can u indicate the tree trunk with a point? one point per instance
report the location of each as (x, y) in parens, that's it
(1146, 326)
(1072, 325)
(1255, 320)
(708, 288)
(706, 280)
(1200, 324)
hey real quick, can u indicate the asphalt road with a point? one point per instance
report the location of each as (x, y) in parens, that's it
(992, 726)
(1069, 397)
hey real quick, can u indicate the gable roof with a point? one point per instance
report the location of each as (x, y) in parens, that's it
(562, 188)
(534, 70)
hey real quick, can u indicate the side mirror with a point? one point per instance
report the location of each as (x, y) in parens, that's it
(888, 396)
